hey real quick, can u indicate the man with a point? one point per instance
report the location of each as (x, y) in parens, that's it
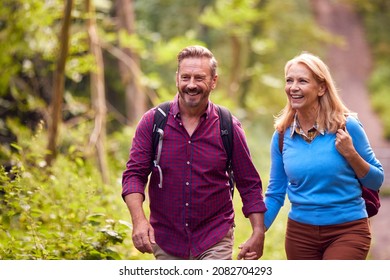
(192, 214)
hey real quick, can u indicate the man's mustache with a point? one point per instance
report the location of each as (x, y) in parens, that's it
(192, 91)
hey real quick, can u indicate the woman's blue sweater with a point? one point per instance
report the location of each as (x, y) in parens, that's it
(322, 187)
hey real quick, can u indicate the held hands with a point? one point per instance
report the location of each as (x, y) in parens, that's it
(252, 249)
(143, 236)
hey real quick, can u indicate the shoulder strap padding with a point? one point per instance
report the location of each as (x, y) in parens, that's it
(281, 140)
(226, 127)
(160, 120)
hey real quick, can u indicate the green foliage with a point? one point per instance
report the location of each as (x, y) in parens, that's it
(66, 212)
(234, 17)
(380, 95)
(169, 18)
(62, 212)
(376, 15)
(24, 28)
(249, 39)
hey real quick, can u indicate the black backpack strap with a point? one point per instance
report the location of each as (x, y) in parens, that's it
(160, 120)
(281, 140)
(226, 126)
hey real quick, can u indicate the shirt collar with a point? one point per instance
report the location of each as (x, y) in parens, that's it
(296, 127)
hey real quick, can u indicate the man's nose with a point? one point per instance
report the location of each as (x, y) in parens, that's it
(191, 83)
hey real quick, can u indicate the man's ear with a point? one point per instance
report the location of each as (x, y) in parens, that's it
(214, 82)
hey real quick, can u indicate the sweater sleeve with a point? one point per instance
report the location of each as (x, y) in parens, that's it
(276, 191)
(375, 176)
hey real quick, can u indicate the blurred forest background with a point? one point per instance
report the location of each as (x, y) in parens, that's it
(76, 76)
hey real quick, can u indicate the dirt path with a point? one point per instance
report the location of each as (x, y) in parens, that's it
(380, 225)
(351, 65)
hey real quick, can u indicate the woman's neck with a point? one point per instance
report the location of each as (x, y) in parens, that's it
(307, 119)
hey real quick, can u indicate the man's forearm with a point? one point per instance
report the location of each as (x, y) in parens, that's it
(134, 203)
(257, 222)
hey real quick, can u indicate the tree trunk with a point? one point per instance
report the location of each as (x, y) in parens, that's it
(98, 136)
(135, 96)
(58, 84)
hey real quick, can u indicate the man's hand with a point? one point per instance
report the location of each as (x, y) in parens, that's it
(252, 249)
(143, 232)
(143, 236)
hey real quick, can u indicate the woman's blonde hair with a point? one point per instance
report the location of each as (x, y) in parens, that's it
(332, 111)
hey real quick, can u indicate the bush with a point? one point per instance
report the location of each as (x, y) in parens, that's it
(61, 212)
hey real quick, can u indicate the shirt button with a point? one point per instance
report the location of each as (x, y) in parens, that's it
(188, 162)
(189, 142)
(187, 183)
(186, 225)
(187, 204)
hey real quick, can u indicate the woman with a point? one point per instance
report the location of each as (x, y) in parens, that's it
(325, 158)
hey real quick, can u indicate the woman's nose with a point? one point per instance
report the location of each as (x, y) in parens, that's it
(294, 86)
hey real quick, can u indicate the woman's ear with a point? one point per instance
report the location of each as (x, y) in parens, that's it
(322, 89)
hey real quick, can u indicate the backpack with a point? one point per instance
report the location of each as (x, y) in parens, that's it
(371, 197)
(226, 127)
